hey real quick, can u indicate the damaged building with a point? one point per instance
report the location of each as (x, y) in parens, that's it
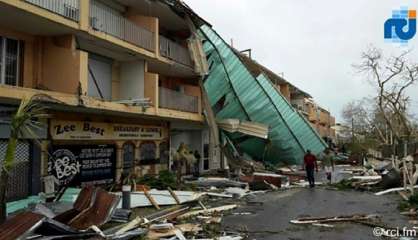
(117, 78)
(128, 83)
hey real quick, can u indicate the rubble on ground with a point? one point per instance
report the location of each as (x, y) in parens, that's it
(193, 210)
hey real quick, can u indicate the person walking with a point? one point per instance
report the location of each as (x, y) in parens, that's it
(328, 162)
(311, 165)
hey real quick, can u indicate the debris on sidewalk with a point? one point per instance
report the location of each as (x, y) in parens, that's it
(217, 182)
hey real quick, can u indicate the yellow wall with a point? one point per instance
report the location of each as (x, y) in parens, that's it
(149, 23)
(151, 88)
(61, 65)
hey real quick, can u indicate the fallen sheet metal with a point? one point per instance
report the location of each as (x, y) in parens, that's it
(20, 225)
(235, 93)
(99, 213)
(83, 201)
(161, 197)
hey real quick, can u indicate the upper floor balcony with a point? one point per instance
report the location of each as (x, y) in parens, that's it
(174, 51)
(67, 8)
(176, 100)
(106, 19)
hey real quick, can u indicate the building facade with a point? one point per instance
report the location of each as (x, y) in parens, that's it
(120, 78)
(320, 118)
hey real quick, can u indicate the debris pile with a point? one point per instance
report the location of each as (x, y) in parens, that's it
(94, 213)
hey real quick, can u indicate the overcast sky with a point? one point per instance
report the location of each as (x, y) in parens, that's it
(313, 42)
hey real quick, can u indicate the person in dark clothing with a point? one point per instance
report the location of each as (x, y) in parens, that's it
(310, 165)
(197, 163)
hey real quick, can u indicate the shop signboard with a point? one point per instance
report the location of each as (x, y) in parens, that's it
(85, 130)
(76, 165)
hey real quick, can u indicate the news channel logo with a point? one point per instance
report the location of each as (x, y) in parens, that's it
(402, 26)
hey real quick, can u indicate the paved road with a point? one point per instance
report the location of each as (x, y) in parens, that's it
(271, 219)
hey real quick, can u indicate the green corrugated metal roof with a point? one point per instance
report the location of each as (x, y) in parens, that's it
(248, 98)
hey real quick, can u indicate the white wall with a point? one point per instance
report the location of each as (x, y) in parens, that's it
(132, 80)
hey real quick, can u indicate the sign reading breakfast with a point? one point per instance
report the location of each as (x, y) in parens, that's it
(79, 130)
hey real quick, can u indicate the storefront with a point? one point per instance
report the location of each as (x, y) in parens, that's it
(25, 177)
(99, 152)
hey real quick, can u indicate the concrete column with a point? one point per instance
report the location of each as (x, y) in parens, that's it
(84, 77)
(84, 15)
(157, 37)
(137, 154)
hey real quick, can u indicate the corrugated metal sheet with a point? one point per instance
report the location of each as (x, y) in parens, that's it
(20, 225)
(234, 93)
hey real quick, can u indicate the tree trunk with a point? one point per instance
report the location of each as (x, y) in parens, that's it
(7, 165)
(4, 179)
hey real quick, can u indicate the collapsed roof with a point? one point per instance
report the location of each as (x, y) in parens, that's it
(234, 92)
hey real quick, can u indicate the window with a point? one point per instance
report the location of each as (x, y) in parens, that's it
(9, 61)
(128, 157)
(148, 153)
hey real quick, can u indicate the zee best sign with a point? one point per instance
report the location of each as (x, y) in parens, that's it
(78, 130)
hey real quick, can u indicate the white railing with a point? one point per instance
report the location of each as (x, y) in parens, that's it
(174, 51)
(106, 19)
(67, 8)
(175, 100)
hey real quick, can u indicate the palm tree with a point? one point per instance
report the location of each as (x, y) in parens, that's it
(26, 119)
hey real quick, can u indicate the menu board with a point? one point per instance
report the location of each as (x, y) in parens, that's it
(76, 165)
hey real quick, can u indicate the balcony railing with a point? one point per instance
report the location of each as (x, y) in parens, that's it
(174, 51)
(177, 101)
(106, 19)
(67, 8)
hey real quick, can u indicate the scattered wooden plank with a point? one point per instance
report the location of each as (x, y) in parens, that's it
(207, 211)
(129, 226)
(151, 199)
(173, 194)
(404, 195)
(316, 220)
(391, 190)
(183, 228)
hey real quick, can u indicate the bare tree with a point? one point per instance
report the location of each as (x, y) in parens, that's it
(392, 77)
(364, 119)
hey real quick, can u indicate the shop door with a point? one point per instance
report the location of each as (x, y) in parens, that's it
(19, 177)
(128, 157)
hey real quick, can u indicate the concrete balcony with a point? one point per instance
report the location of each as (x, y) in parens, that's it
(175, 100)
(175, 51)
(67, 8)
(106, 19)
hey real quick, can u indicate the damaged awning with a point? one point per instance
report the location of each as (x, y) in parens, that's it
(234, 93)
(245, 127)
